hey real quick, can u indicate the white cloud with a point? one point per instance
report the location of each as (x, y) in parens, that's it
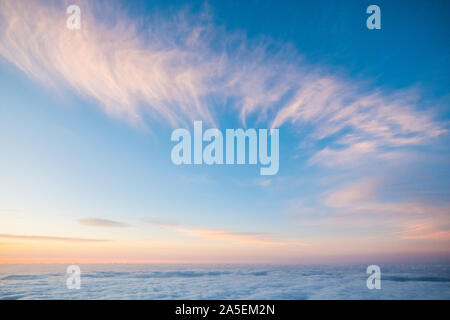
(182, 69)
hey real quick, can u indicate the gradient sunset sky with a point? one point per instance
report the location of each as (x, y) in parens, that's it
(86, 117)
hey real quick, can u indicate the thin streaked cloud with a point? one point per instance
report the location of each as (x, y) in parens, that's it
(48, 238)
(97, 222)
(424, 230)
(257, 238)
(160, 223)
(241, 237)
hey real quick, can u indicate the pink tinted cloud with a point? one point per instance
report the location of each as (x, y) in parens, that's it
(424, 230)
(48, 238)
(98, 222)
(178, 72)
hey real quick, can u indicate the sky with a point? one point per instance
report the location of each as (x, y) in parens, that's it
(86, 118)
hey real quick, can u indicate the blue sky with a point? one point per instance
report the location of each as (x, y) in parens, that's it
(86, 117)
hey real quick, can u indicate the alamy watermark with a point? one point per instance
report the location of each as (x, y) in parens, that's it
(216, 152)
(73, 280)
(374, 280)
(374, 20)
(73, 22)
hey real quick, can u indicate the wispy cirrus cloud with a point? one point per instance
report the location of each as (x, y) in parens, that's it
(366, 196)
(48, 238)
(360, 122)
(241, 237)
(98, 222)
(352, 194)
(424, 230)
(107, 62)
(363, 203)
(178, 70)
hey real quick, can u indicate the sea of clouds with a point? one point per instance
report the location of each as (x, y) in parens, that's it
(224, 282)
